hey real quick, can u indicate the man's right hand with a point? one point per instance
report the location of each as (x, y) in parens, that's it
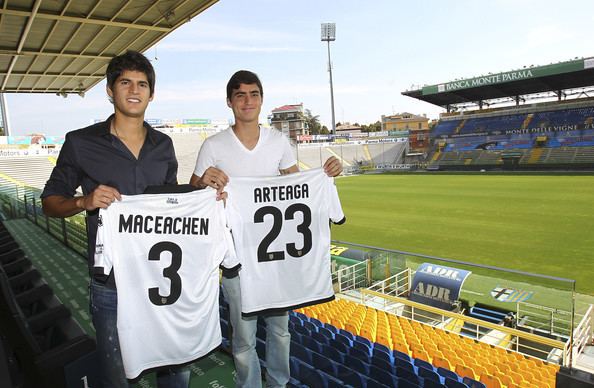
(212, 177)
(101, 197)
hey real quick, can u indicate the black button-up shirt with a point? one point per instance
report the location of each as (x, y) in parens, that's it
(92, 156)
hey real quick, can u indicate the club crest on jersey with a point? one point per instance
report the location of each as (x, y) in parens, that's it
(507, 294)
(99, 249)
(172, 201)
(100, 221)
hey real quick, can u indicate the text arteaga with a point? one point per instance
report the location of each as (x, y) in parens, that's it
(281, 193)
(137, 223)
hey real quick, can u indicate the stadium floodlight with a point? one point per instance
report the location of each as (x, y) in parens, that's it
(328, 35)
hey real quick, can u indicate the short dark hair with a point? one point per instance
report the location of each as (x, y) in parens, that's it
(130, 60)
(243, 77)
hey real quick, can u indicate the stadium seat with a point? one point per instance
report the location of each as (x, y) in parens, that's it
(362, 346)
(310, 326)
(429, 374)
(446, 373)
(320, 338)
(401, 355)
(333, 354)
(408, 375)
(347, 334)
(326, 332)
(364, 340)
(360, 354)
(302, 330)
(451, 383)
(356, 364)
(312, 344)
(399, 362)
(297, 350)
(350, 377)
(323, 363)
(384, 348)
(472, 383)
(261, 349)
(382, 376)
(491, 381)
(340, 346)
(422, 363)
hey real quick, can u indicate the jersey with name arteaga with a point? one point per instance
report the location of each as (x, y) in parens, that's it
(165, 250)
(281, 231)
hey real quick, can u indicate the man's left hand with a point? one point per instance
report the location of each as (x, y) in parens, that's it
(332, 167)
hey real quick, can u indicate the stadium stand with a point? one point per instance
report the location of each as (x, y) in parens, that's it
(49, 347)
(31, 171)
(393, 351)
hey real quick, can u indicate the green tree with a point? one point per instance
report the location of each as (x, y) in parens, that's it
(324, 130)
(313, 122)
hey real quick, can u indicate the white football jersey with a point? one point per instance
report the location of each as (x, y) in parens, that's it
(281, 230)
(165, 250)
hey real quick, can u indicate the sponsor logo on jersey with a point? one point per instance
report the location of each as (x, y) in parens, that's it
(100, 221)
(99, 249)
(507, 294)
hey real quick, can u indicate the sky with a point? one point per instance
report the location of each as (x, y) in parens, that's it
(382, 48)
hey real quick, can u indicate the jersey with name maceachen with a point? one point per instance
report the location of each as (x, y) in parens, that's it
(165, 250)
(281, 230)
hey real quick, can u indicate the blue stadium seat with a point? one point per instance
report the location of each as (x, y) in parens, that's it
(350, 377)
(309, 376)
(344, 339)
(405, 364)
(382, 376)
(430, 374)
(323, 363)
(432, 384)
(301, 316)
(446, 373)
(261, 332)
(294, 364)
(381, 347)
(295, 319)
(326, 332)
(427, 365)
(310, 326)
(347, 334)
(404, 383)
(333, 354)
(300, 352)
(261, 349)
(408, 375)
(331, 381)
(340, 346)
(332, 328)
(377, 353)
(360, 354)
(473, 383)
(316, 322)
(312, 344)
(356, 364)
(297, 338)
(302, 330)
(364, 340)
(320, 338)
(371, 383)
(403, 356)
(451, 383)
(361, 346)
(381, 363)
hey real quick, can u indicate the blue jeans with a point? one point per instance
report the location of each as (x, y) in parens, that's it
(243, 343)
(104, 310)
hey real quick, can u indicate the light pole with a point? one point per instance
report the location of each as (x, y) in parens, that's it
(328, 35)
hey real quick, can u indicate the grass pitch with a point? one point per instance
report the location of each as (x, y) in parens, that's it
(534, 223)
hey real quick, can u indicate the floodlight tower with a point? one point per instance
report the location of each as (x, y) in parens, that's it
(328, 35)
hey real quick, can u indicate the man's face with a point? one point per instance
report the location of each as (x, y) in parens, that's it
(246, 103)
(131, 93)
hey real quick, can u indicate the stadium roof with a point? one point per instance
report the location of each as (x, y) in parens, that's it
(64, 46)
(560, 76)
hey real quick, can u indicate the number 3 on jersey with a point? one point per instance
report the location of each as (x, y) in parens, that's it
(277, 224)
(170, 273)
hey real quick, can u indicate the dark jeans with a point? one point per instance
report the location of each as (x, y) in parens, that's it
(104, 310)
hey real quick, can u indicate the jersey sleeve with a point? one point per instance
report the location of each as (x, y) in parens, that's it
(288, 158)
(335, 209)
(103, 262)
(205, 159)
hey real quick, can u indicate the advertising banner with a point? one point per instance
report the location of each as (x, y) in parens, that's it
(437, 285)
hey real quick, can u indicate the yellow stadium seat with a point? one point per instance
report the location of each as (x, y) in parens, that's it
(440, 361)
(466, 371)
(491, 381)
